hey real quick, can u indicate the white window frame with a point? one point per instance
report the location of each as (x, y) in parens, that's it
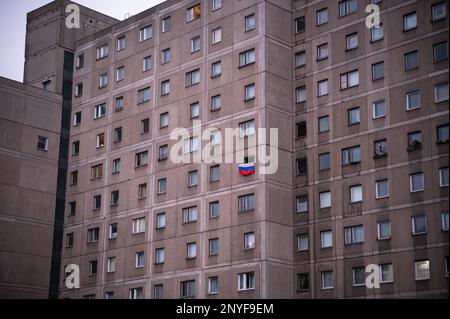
(411, 182)
(245, 282)
(416, 264)
(436, 100)
(374, 107)
(441, 177)
(138, 225)
(301, 238)
(377, 192)
(111, 264)
(408, 94)
(216, 36)
(323, 204)
(137, 257)
(413, 225)
(323, 236)
(145, 33)
(322, 277)
(249, 240)
(112, 235)
(379, 237)
(356, 197)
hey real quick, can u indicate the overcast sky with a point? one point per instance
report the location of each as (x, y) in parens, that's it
(13, 19)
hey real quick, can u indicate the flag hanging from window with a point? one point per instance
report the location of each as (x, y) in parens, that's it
(247, 169)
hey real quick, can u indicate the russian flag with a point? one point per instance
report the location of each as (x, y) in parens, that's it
(247, 169)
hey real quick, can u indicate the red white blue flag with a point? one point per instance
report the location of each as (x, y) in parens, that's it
(247, 169)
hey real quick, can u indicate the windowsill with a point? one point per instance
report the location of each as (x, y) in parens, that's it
(302, 213)
(139, 103)
(319, 96)
(121, 80)
(440, 60)
(164, 193)
(247, 289)
(213, 255)
(246, 211)
(323, 132)
(298, 103)
(350, 49)
(102, 58)
(413, 192)
(187, 223)
(350, 164)
(410, 29)
(216, 76)
(438, 20)
(100, 117)
(102, 87)
(377, 79)
(194, 118)
(77, 96)
(384, 197)
(249, 99)
(162, 159)
(348, 88)
(164, 63)
(327, 288)
(95, 179)
(140, 166)
(142, 198)
(249, 249)
(321, 59)
(191, 85)
(138, 233)
(139, 267)
(163, 127)
(73, 215)
(190, 258)
(245, 65)
(159, 264)
(321, 170)
(118, 109)
(113, 205)
(160, 228)
(299, 67)
(384, 239)
(353, 244)
(112, 238)
(164, 94)
(412, 69)
(354, 203)
(196, 51)
(302, 290)
(215, 110)
(212, 293)
(418, 234)
(414, 148)
(377, 40)
(73, 185)
(379, 117)
(116, 142)
(422, 279)
(442, 142)
(42, 150)
(214, 181)
(192, 186)
(96, 209)
(249, 30)
(115, 173)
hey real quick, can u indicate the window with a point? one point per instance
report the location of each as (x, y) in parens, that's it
(303, 281)
(166, 24)
(247, 57)
(117, 135)
(121, 42)
(72, 208)
(377, 71)
(80, 61)
(116, 166)
(141, 159)
(213, 246)
(326, 239)
(103, 81)
(250, 22)
(114, 198)
(111, 264)
(120, 74)
(93, 235)
(354, 235)
(187, 289)
(144, 95)
(140, 259)
(324, 161)
(300, 24)
(351, 155)
(165, 56)
(409, 21)
(191, 250)
(79, 90)
(446, 266)
(165, 87)
(359, 276)
(246, 203)
(214, 173)
(109, 295)
(347, 7)
(302, 242)
(164, 120)
(300, 59)
(249, 240)
(189, 214)
(327, 280)
(113, 231)
(324, 124)
(377, 33)
(138, 225)
(214, 209)
(300, 94)
(213, 285)
(160, 220)
(163, 152)
(442, 133)
(100, 111)
(247, 129)
(195, 44)
(441, 92)
(411, 60)
(142, 191)
(416, 182)
(379, 109)
(162, 186)
(159, 256)
(100, 140)
(443, 177)
(190, 145)
(249, 92)
(77, 119)
(351, 41)
(356, 194)
(349, 79)
(414, 141)
(145, 126)
(216, 36)
(325, 199)
(302, 166)
(73, 178)
(97, 171)
(386, 273)
(136, 293)
(444, 218)
(419, 225)
(422, 269)
(215, 103)
(438, 11)
(216, 69)
(300, 129)
(193, 13)
(322, 51)
(145, 33)
(322, 16)
(382, 189)
(92, 267)
(195, 110)
(192, 178)
(97, 202)
(102, 52)
(119, 104)
(412, 100)
(69, 240)
(246, 281)
(216, 4)
(322, 88)
(147, 63)
(354, 116)
(384, 229)
(192, 77)
(440, 51)
(302, 204)
(42, 143)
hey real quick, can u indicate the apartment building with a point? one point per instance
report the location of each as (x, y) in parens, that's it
(362, 179)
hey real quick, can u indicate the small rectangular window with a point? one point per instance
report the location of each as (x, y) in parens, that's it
(214, 209)
(145, 33)
(300, 24)
(322, 16)
(409, 21)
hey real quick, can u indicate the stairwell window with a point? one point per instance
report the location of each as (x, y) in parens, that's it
(142, 191)
(249, 241)
(165, 56)
(411, 60)
(121, 43)
(383, 230)
(302, 242)
(162, 186)
(322, 52)
(377, 33)
(216, 5)
(419, 225)
(443, 177)
(356, 194)
(440, 51)
(93, 235)
(377, 71)
(300, 94)
(144, 95)
(351, 41)
(147, 63)
(326, 239)
(120, 74)
(79, 90)
(414, 141)
(302, 204)
(441, 92)
(140, 261)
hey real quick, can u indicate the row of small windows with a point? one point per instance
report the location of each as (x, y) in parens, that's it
(416, 182)
(347, 7)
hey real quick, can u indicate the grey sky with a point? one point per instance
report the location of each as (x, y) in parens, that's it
(13, 21)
